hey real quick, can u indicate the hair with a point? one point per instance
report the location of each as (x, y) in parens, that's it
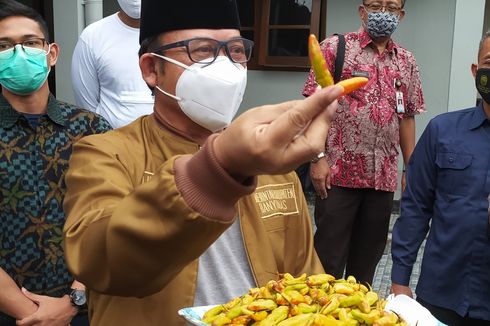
(483, 39)
(148, 45)
(11, 8)
(403, 3)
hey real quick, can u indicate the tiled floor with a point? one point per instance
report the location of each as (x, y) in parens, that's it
(382, 279)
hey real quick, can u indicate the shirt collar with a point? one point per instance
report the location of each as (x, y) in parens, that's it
(9, 116)
(365, 40)
(479, 117)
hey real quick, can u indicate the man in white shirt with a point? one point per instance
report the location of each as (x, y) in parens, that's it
(105, 68)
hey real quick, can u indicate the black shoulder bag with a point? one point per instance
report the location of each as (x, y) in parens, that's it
(303, 171)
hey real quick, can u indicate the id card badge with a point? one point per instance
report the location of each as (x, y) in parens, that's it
(400, 106)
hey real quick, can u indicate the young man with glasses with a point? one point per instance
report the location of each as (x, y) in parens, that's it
(36, 137)
(164, 213)
(356, 178)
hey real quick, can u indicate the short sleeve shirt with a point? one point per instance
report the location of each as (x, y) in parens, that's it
(363, 141)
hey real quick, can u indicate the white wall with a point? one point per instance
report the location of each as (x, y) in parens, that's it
(427, 31)
(67, 27)
(468, 19)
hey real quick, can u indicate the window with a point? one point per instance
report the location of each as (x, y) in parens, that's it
(280, 30)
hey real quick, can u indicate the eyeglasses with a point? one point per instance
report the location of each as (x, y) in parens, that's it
(33, 46)
(377, 7)
(205, 50)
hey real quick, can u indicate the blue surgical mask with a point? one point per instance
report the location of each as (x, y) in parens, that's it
(381, 24)
(23, 72)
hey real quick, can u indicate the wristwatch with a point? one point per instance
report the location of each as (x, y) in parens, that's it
(318, 157)
(77, 297)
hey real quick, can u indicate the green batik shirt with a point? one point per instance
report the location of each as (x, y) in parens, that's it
(33, 163)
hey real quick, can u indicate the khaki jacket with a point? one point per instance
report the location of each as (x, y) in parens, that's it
(133, 240)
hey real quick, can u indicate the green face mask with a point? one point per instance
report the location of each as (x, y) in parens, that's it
(24, 71)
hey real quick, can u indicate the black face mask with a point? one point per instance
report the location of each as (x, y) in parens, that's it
(482, 81)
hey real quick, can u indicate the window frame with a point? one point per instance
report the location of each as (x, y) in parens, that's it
(261, 29)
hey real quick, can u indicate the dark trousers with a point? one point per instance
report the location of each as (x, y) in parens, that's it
(352, 228)
(450, 317)
(79, 320)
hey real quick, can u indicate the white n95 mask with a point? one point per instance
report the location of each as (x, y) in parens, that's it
(210, 94)
(132, 8)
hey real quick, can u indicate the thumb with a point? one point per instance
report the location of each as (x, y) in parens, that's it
(328, 180)
(31, 296)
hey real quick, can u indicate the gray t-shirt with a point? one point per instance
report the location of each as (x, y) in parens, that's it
(224, 270)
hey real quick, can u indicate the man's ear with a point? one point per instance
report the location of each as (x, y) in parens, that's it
(148, 67)
(402, 14)
(54, 51)
(474, 68)
(362, 12)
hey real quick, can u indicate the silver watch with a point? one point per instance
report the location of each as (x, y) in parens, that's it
(77, 297)
(318, 157)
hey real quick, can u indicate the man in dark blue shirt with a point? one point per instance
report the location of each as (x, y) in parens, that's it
(448, 185)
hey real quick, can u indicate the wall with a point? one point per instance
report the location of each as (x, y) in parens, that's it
(67, 29)
(427, 31)
(469, 19)
(486, 21)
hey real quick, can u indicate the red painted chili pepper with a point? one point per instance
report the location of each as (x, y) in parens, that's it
(318, 63)
(351, 84)
(322, 74)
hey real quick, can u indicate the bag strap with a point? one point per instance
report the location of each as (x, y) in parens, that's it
(339, 59)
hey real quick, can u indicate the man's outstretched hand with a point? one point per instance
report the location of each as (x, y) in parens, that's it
(275, 139)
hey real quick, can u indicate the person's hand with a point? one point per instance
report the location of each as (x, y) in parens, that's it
(51, 311)
(320, 177)
(275, 139)
(404, 181)
(401, 289)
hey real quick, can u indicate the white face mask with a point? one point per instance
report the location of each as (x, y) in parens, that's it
(210, 95)
(132, 8)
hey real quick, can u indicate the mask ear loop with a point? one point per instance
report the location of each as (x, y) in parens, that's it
(180, 64)
(47, 53)
(175, 62)
(168, 94)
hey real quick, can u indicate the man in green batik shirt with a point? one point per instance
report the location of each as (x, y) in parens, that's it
(36, 137)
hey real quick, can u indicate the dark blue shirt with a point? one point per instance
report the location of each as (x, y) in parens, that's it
(448, 183)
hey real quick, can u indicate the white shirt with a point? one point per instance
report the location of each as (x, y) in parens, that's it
(106, 75)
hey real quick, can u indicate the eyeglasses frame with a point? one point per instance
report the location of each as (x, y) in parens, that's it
(185, 43)
(384, 8)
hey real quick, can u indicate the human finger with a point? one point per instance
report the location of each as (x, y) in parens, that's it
(28, 321)
(32, 296)
(293, 122)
